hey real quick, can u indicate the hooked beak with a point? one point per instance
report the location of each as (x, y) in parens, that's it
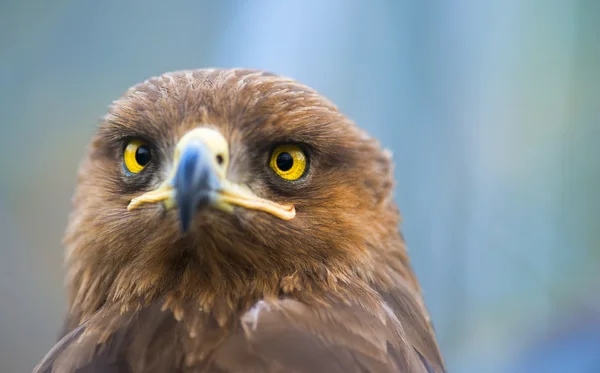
(198, 180)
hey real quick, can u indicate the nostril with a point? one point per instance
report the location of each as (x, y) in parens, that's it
(219, 159)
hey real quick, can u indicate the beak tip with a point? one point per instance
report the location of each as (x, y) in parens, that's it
(194, 180)
(185, 218)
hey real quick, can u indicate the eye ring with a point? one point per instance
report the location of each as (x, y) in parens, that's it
(288, 161)
(136, 156)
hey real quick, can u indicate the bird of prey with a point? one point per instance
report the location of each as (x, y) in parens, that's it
(231, 220)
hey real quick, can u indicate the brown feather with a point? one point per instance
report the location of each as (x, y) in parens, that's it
(330, 291)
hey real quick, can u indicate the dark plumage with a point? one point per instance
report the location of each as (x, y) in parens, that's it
(269, 274)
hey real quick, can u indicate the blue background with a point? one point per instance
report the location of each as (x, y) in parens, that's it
(491, 108)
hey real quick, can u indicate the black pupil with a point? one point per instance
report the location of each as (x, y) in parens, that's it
(142, 155)
(285, 161)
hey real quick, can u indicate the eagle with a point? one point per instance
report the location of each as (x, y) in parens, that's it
(234, 220)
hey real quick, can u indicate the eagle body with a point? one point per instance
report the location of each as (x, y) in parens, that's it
(230, 220)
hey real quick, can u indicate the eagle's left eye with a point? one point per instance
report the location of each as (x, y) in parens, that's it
(136, 156)
(288, 161)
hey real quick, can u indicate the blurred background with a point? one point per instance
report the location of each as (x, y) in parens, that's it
(492, 110)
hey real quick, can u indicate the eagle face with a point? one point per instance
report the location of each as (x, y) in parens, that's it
(236, 221)
(226, 179)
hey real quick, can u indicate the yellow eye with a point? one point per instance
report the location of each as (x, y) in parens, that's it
(288, 161)
(136, 156)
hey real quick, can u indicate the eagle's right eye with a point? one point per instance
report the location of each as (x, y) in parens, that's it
(136, 156)
(288, 161)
